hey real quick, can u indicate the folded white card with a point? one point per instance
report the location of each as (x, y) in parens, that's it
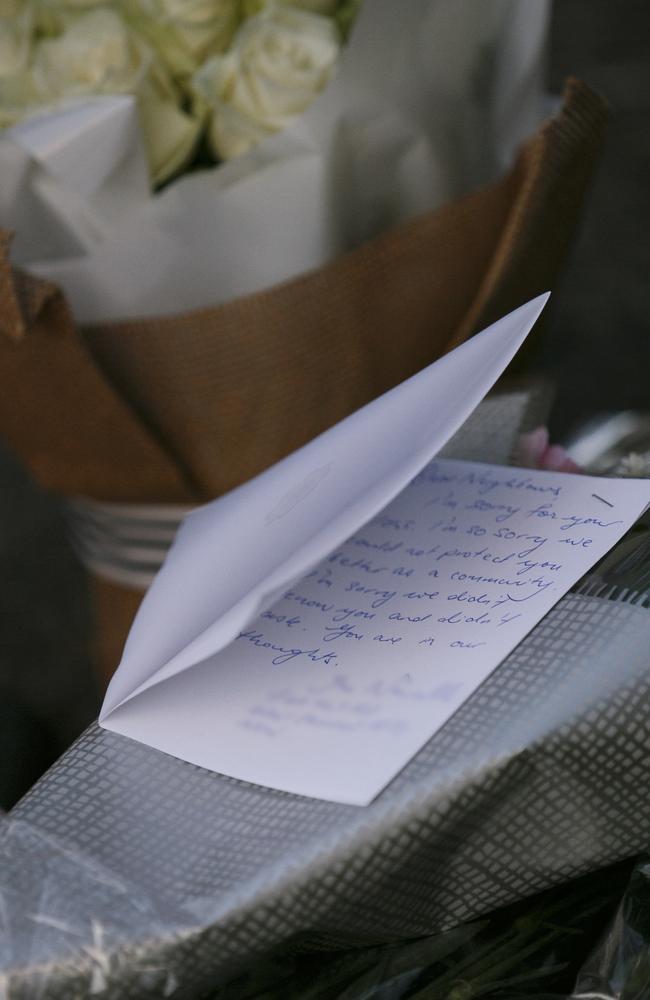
(278, 646)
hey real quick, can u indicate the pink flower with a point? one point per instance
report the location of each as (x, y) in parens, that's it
(534, 452)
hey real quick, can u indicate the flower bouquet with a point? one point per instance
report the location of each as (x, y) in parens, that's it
(228, 72)
(169, 326)
(161, 348)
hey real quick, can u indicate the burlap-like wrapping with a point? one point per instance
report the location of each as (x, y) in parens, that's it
(182, 408)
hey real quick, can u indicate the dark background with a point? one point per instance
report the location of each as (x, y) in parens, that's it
(597, 344)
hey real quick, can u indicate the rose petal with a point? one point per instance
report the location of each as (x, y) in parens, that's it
(532, 447)
(555, 459)
(570, 466)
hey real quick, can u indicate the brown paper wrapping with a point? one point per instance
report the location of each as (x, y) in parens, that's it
(182, 408)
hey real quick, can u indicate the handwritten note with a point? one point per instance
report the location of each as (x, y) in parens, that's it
(333, 688)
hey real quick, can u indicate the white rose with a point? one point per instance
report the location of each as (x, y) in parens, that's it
(52, 16)
(170, 134)
(76, 6)
(279, 61)
(15, 38)
(96, 54)
(93, 55)
(252, 7)
(15, 51)
(13, 8)
(184, 32)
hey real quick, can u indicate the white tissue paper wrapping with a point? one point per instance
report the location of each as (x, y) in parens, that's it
(430, 100)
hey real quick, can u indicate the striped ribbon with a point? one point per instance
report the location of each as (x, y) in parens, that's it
(624, 574)
(125, 543)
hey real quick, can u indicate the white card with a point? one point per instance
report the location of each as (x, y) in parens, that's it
(329, 690)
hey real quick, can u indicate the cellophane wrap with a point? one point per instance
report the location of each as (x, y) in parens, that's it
(128, 873)
(619, 966)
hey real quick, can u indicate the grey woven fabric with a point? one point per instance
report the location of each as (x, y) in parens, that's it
(126, 873)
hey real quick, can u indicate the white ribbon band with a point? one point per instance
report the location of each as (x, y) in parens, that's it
(125, 543)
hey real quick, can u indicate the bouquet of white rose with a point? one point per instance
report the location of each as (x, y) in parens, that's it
(233, 71)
